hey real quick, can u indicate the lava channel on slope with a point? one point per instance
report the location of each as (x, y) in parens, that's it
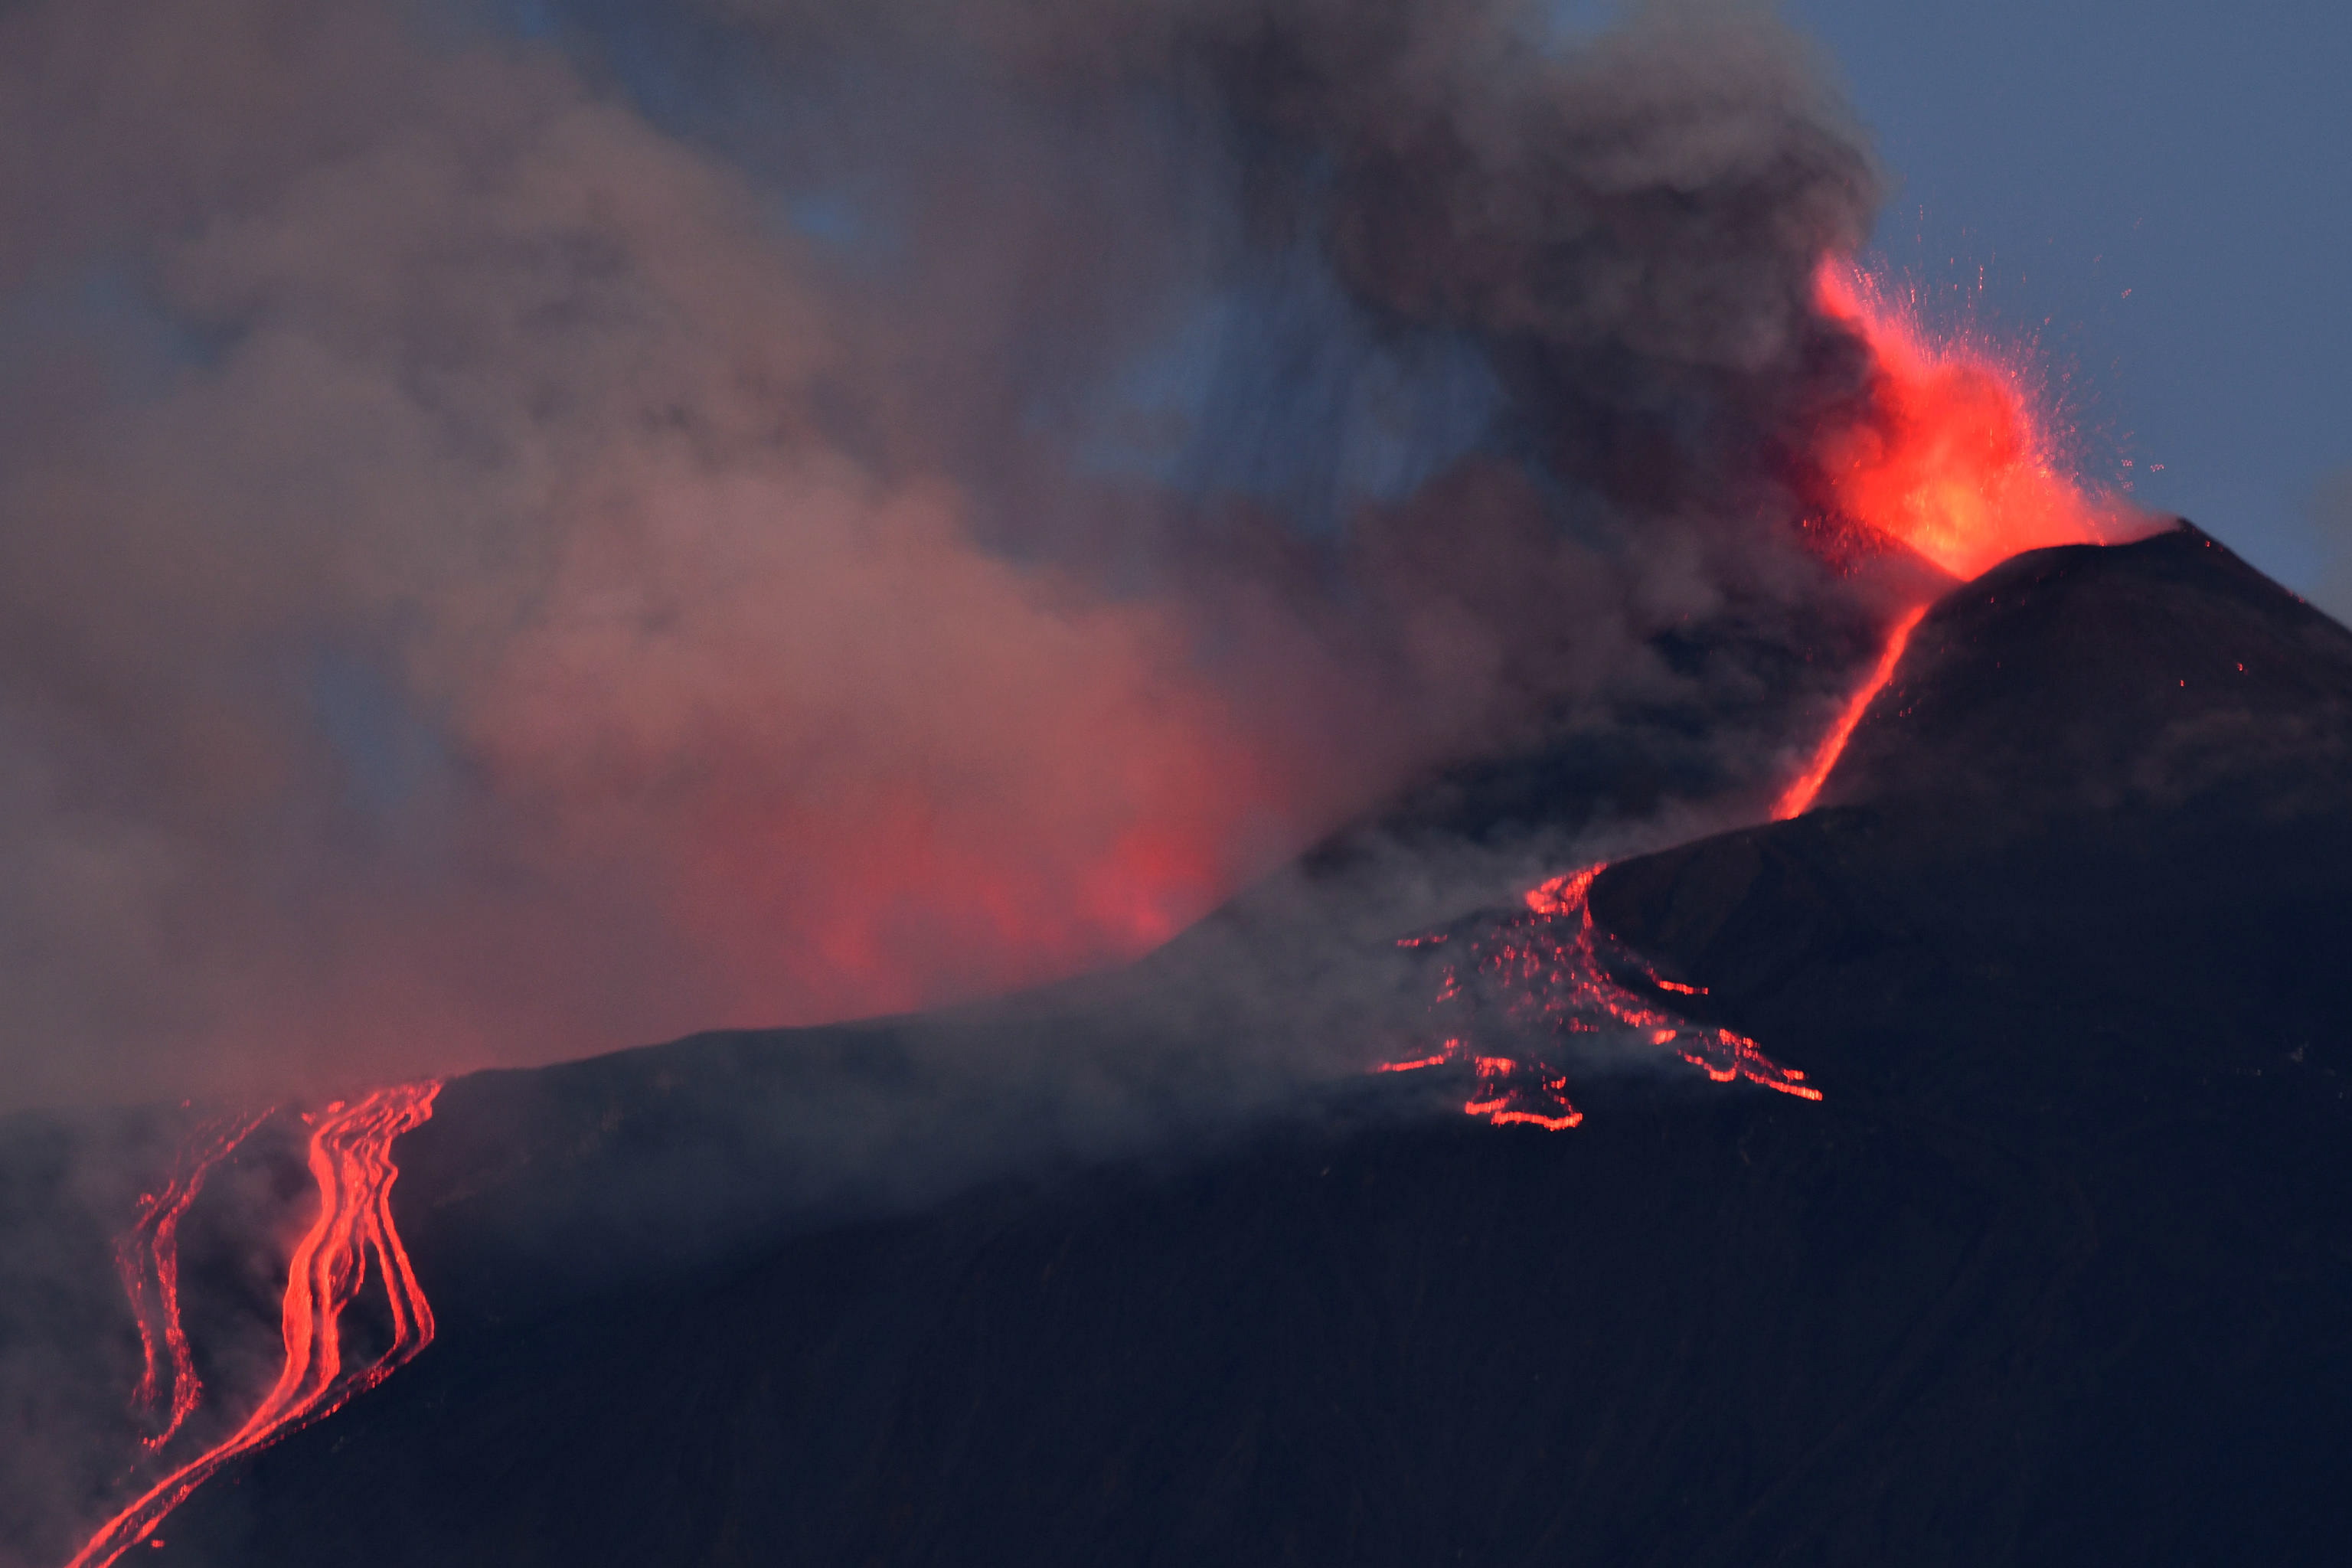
(147, 1257)
(350, 1161)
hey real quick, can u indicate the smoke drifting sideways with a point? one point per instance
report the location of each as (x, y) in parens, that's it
(2328, 510)
(534, 528)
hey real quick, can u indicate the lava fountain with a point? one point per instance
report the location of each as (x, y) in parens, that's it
(1952, 456)
(1953, 459)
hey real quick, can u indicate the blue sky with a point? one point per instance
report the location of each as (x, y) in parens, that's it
(2199, 156)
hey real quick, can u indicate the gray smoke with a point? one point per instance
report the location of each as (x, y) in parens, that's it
(2330, 510)
(525, 529)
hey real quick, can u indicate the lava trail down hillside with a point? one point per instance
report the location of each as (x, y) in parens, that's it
(350, 1161)
(147, 1257)
(1539, 976)
(1799, 797)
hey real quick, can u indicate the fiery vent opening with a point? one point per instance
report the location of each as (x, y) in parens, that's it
(1954, 457)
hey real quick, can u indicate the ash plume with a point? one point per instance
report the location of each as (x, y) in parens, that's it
(529, 529)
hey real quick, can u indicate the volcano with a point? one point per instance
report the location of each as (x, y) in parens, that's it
(2054, 1269)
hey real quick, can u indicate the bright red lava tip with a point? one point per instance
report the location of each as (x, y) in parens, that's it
(1564, 895)
(1550, 1123)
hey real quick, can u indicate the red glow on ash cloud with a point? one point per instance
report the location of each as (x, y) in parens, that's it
(1956, 458)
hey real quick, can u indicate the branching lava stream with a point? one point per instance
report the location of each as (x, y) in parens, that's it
(1542, 972)
(350, 1161)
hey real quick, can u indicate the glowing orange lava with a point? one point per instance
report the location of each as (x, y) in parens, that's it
(1539, 977)
(1955, 460)
(1799, 797)
(351, 1160)
(147, 1257)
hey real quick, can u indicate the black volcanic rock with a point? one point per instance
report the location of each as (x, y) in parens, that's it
(2144, 676)
(2060, 1270)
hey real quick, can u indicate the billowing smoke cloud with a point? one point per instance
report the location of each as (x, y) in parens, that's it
(530, 529)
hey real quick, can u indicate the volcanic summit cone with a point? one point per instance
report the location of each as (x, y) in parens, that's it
(2056, 1271)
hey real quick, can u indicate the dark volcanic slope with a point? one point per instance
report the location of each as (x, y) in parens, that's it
(2060, 1271)
(2154, 675)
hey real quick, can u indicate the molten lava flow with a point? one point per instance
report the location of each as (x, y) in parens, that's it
(1953, 458)
(1542, 972)
(1799, 797)
(351, 1160)
(147, 1257)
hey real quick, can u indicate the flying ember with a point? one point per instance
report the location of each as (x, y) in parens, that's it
(1954, 459)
